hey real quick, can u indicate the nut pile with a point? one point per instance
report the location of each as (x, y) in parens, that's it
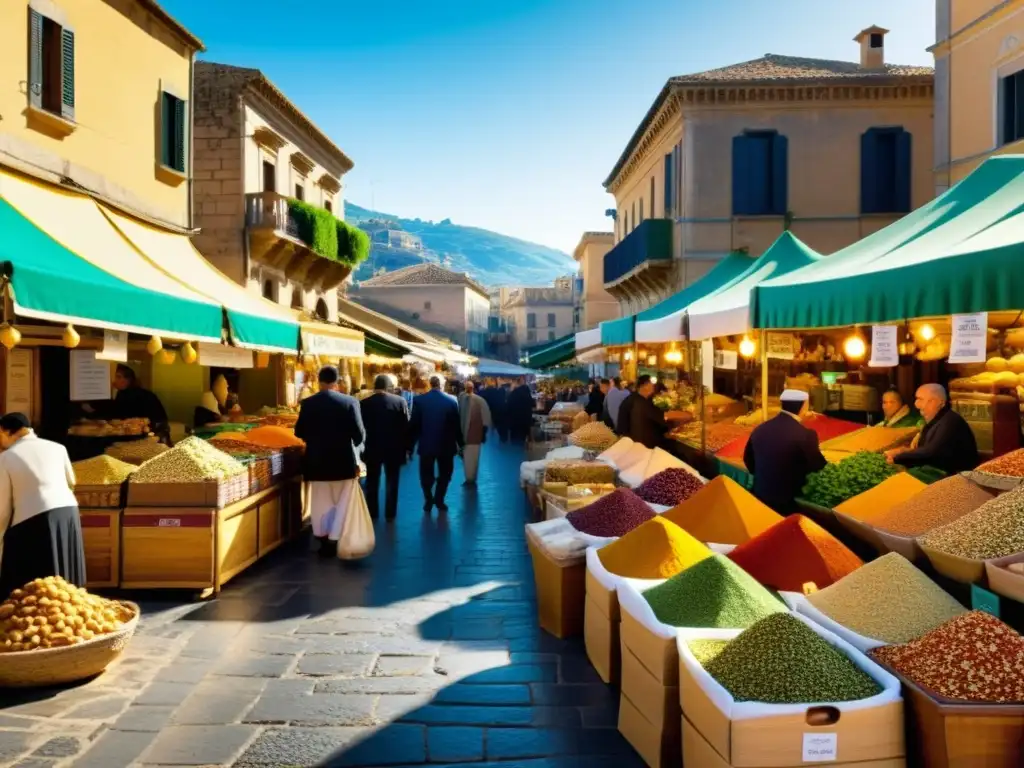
(51, 613)
(655, 550)
(713, 593)
(995, 529)
(594, 436)
(102, 470)
(616, 514)
(887, 599)
(136, 451)
(1009, 465)
(974, 657)
(190, 461)
(669, 487)
(936, 505)
(579, 472)
(780, 660)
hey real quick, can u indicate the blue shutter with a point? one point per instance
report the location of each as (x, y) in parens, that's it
(67, 71)
(667, 196)
(903, 166)
(780, 175)
(35, 59)
(869, 171)
(744, 166)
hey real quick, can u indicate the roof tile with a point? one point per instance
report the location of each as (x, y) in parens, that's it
(424, 274)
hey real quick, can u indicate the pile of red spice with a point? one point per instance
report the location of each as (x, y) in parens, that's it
(793, 553)
(616, 514)
(974, 657)
(825, 427)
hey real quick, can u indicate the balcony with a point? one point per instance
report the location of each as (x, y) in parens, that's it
(641, 264)
(295, 243)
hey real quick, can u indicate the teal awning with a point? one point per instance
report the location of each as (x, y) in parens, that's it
(378, 346)
(617, 332)
(960, 253)
(664, 321)
(553, 353)
(52, 283)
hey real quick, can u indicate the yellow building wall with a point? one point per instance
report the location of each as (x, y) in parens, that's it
(637, 186)
(598, 304)
(974, 60)
(124, 57)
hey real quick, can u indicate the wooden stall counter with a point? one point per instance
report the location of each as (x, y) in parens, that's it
(202, 548)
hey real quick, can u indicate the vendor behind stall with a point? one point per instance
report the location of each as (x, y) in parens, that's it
(898, 414)
(781, 452)
(946, 442)
(132, 401)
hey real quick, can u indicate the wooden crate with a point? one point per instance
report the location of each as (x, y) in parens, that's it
(216, 494)
(272, 532)
(100, 496)
(101, 539)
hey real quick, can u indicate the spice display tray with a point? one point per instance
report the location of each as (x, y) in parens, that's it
(601, 629)
(658, 746)
(215, 493)
(959, 569)
(100, 496)
(1005, 582)
(101, 540)
(943, 733)
(561, 593)
(861, 530)
(902, 545)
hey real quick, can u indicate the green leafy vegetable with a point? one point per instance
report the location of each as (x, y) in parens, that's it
(852, 476)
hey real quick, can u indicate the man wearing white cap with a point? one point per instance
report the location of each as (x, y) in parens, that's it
(782, 452)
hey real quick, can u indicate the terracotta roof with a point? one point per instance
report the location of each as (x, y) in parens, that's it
(211, 75)
(774, 69)
(424, 274)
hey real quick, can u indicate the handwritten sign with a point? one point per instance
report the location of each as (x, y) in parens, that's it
(19, 382)
(223, 356)
(115, 347)
(781, 346)
(885, 351)
(90, 378)
(727, 359)
(821, 747)
(970, 337)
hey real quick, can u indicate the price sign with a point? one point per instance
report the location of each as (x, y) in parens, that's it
(90, 378)
(885, 351)
(781, 346)
(970, 337)
(115, 347)
(821, 747)
(726, 359)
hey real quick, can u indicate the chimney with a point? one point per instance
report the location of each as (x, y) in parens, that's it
(872, 47)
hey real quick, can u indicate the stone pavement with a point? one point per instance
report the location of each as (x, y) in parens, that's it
(426, 652)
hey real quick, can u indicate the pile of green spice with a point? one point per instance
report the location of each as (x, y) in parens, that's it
(713, 593)
(780, 660)
(974, 657)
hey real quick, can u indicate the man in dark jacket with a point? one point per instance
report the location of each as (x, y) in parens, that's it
(496, 397)
(331, 426)
(595, 405)
(639, 418)
(946, 442)
(520, 411)
(386, 419)
(781, 452)
(436, 427)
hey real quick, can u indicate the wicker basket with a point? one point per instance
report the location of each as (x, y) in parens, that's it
(57, 666)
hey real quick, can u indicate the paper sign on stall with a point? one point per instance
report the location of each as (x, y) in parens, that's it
(115, 347)
(19, 390)
(223, 356)
(970, 337)
(726, 359)
(90, 378)
(885, 351)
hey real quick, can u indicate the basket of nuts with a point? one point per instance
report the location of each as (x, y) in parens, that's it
(52, 632)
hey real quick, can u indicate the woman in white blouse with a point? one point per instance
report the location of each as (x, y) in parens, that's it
(42, 532)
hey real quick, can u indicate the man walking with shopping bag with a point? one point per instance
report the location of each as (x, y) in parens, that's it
(435, 427)
(331, 426)
(475, 418)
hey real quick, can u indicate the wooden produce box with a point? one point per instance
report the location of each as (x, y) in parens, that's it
(943, 733)
(215, 494)
(100, 496)
(101, 539)
(601, 627)
(961, 569)
(561, 593)
(649, 714)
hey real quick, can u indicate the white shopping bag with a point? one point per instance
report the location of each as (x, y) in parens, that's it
(357, 539)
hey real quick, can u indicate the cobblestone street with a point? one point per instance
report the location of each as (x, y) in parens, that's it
(427, 652)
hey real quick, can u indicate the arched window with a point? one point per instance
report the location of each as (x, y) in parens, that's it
(268, 290)
(321, 309)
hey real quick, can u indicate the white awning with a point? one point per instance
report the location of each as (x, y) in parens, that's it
(588, 339)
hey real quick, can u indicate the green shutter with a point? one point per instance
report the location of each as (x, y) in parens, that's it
(35, 59)
(67, 71)
(166, 124)
(179, 147)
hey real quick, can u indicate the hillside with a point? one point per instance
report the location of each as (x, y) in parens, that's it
(489, 257)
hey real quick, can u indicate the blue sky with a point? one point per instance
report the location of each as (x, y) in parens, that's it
(508, 114)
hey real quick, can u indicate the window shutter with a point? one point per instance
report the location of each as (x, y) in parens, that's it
(166, 128)
(740, 175)
(869, 171)
(749, 175)
(669, 158)
(35, 59)
(903, 166)
(67, 74)
(180, 139)
(780, 174)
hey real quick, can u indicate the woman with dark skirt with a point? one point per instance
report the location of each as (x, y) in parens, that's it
(42, 533)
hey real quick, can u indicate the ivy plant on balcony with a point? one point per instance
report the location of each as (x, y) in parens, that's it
(328, 236)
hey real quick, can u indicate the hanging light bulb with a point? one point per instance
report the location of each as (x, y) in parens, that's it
(907, 345)
(155, 345)
(188, 354)
(71, 336)
(747, 347)
(854, 347)
(10, 336)
(628, 356)
(927, 332)
(674, 356)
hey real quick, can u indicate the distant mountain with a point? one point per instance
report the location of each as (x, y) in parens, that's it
(489, 257)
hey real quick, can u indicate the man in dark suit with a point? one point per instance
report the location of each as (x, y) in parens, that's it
(946, 442)
(782, 452)
(386, 418)
(595, 405)
(520, 411)
(331, 426)
(639, 418)
(436, 427)
(496, 400)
